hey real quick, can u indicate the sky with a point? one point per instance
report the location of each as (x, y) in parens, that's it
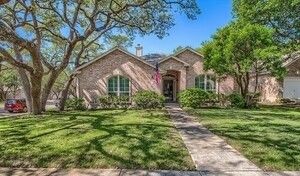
(214, 14)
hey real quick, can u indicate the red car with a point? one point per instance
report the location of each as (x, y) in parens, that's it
(15, 105)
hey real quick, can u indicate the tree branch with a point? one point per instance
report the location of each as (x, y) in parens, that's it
(7, 34)
(8, 58)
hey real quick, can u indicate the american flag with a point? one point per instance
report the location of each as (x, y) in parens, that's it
(157, 75)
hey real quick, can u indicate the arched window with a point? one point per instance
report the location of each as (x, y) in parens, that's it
(206, 82)
(118, 86)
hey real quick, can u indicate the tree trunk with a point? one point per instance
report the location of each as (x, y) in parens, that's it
(256, 82)
(245, 89)
(1, 95)
(47, 88)
(36, 81)
(240, 84)
(56, 95)
(26, 88)
(64, 94)
(55, 73)
(24, 80)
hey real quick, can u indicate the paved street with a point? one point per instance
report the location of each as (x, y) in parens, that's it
(4, 114)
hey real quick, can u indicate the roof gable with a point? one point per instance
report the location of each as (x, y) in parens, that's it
(111, 51)
(188, 49)
(175, 58)
(290, 59)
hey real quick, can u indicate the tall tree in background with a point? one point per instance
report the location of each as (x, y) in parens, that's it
(59, 84)
(281, 15)
(9, 81)
(122, 41)
(243, 51)
(178, 48)
(30, 27)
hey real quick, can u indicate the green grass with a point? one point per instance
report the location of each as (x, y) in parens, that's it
(133, 139)
(270, 137)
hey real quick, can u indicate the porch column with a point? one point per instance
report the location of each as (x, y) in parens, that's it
(182, 80)
(78, 92)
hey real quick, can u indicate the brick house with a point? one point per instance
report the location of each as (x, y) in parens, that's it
(118, 72)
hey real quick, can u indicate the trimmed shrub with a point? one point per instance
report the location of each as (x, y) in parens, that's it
(114, 102)
(194, 97)
(75, 104)
(212, 98)
(104, 102)
(237, 100)
(223, 100)
(148, 100)
(123, 102)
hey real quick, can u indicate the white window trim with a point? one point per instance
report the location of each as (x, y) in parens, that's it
(205, 82)
(118, 85)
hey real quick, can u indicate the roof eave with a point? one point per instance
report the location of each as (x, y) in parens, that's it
(177, 59)
(188, 49)
(110, 51)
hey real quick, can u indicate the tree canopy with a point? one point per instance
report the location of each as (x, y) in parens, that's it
(243, 50)
(281, 15)
(29, 28)
(9, 81)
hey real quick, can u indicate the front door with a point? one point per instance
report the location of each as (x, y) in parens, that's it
(168, 89)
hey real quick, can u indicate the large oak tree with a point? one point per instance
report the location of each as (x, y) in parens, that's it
(28, 27)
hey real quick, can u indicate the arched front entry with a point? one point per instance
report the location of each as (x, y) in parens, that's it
(170, 85)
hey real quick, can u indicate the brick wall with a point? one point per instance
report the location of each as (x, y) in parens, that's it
(92, 80)
(226, 85)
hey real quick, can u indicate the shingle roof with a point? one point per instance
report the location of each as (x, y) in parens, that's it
(110, 51)
(153, 58)
(149, 59)
(291, 58)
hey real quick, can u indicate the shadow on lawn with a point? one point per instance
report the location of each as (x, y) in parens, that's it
(259, 132)
(139, 141)
(287, 149)
(109, 143)
(262, 115)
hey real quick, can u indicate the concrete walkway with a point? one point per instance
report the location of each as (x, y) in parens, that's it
(209, 152)
(126, 172)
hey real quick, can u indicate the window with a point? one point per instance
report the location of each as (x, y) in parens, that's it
(206, 82)
(118, 86)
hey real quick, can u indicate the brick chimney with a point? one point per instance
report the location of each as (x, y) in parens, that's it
(139, 50)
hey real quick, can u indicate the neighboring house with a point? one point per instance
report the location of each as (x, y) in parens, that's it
(118, 72)
(273, 90)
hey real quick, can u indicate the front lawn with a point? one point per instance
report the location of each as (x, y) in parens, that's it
(270, 137)
(133, 139)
